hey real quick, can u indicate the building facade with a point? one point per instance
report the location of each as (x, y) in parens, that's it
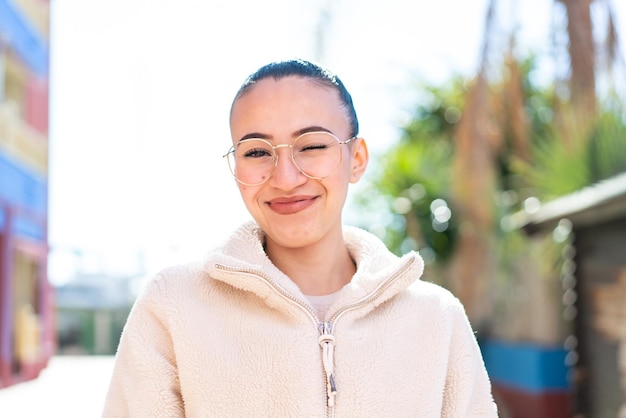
(595, 284)
(27, 337)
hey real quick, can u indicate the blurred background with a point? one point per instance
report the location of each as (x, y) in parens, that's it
(498, 139)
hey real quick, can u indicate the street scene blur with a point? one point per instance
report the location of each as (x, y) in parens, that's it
(503, 163)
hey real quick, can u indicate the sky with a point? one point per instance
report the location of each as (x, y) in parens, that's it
(141, 89)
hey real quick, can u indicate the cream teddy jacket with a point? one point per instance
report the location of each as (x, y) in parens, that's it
(234, 337)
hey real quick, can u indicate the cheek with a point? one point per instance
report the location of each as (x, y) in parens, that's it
(346, 168)
(250, 197)
(338, 183)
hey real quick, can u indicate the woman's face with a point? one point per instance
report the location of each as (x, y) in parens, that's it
(294, 210)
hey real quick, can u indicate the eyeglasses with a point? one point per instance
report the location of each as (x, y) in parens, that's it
(317, 155)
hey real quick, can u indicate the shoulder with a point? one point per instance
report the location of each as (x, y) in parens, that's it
(173, 280)
(435, 298)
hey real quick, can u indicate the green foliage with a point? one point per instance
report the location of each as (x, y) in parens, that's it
(413, 178)
(555, 169)
(558, 169)
(607, 147)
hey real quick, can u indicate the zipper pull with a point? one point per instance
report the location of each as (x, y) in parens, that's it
(327, 343)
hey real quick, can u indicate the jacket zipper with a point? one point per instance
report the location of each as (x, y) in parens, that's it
(327, 344)
(326, 338)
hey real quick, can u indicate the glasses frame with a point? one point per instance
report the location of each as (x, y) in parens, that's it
(231, 150)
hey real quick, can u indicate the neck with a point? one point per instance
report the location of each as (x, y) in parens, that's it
(321, 269)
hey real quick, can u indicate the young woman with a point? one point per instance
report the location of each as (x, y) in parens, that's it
(297, 314)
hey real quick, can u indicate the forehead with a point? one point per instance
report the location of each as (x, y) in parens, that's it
(290, 102)
(290, 82)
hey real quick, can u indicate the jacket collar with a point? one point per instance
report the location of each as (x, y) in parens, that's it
(240, 261)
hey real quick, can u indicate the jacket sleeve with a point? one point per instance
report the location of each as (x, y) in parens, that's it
(145, 377)
(467, 390)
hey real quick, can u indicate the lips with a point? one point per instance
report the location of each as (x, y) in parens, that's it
(291, 205)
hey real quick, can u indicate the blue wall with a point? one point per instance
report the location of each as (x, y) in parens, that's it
(526, 367)
(23, 38)
(23, 188)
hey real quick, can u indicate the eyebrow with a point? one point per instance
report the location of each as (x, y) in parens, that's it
(313, 128)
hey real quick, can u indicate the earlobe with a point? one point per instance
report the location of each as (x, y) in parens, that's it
(360, 158)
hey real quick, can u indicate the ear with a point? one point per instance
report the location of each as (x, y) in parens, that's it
(359, 159)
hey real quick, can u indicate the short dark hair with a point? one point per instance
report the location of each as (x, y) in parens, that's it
(305, 69)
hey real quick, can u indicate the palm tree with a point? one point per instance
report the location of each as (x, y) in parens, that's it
(495, 123)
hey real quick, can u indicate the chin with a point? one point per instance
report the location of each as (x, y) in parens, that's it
(293, 237)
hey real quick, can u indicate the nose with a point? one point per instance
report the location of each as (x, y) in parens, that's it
(286, 174)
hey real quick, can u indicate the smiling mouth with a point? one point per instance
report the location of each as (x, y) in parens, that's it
(288, 206)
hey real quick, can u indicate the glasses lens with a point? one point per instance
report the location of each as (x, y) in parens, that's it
(251, 161)
(317, 154)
